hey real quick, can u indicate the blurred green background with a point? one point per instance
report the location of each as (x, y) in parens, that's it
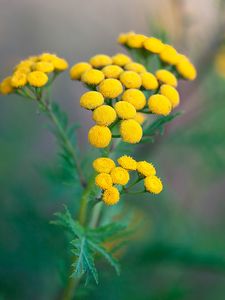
(181, 252)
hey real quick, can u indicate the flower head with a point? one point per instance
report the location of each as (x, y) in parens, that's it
(44, 66)
(92, 77)
(127, 162)
(120, 176)
(166, 77)
(37, 78)
(91, 100)
(130, 79)
(112, 71)
(103, 165)
(169, 55)
(131, 131)
(103, 180)
(136, 67)
(159, 104)
(99, 136)
(111, 196)
(104, 115)
(153, 45)
(135, 40)
(79, 69)
(171, 93)
(135, 97)
(153, 184)
(186, 69)
(100, 60)
(110, 88)
(121, 59)
(18, 79)
(5, 86)
(149, 81)
(145, 168)
(125, 110)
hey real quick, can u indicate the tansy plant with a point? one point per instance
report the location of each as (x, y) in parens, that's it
(130, 99)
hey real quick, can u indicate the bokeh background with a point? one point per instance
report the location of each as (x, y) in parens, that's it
(181, 251)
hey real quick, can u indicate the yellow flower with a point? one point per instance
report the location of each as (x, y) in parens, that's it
(111, 196)
(103, 180)
(135, 40)
(33, 58)
(153, 45)
(91, 100)
(131, 131)
(186, 69)
(24, 64)
(24, 70)
(153, 184)
(78, 70)
(100, 60)
(169, 55)
(92, 77)
(159, 104)
(5, 86)
(104, 115)
(127, 162)
(130, 79)
(135, 97)
(120, 176)
(37, 78)
(122, 39)
(166, 77)
(140, 118)
(112, 71)
(171, 93)
(60, 64)
(47, 57)
(121, 59)
(149, 81)
(136, 67)
(103, 165)
(145, 168)
(43, 66)
(99, 136)
(125, 110)
(110, 88)
(18, 79)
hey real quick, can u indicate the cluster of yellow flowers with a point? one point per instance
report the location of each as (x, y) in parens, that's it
(109, 176)
(119, 87)
(166, 53)
(33, 71)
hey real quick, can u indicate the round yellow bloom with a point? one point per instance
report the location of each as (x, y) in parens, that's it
(122, 39)
(169, 55)
(171, 93)
(104, 115)
(145, 168)
(78, 69)
(24, 70)
(134, 97)
(5, 86)
(153, 45)
(47, 57)
(43, 66)
(103, 180)
(136, 67)
(24, 64)
(111, 196)
(99, 136)
(135, 40)
(166, 77)
(130, 79)
(140, 118)
(37, 78)
(127, 162)
(92, 77)
(18, 79)
(112, 71)
(110, 88)
(100, 60)
(153, 184)
(159, 104)
(120, 176)
(186, 69)
(131, 131)
(33, 58)
(125, 110)
(121, 59)
(103, 165)
(60, 64)
(91, 100)
(149, 81)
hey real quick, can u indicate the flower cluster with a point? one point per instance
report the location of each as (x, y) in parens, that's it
(121, 92)
(34, 71)
(167, 54)
(111, 178)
